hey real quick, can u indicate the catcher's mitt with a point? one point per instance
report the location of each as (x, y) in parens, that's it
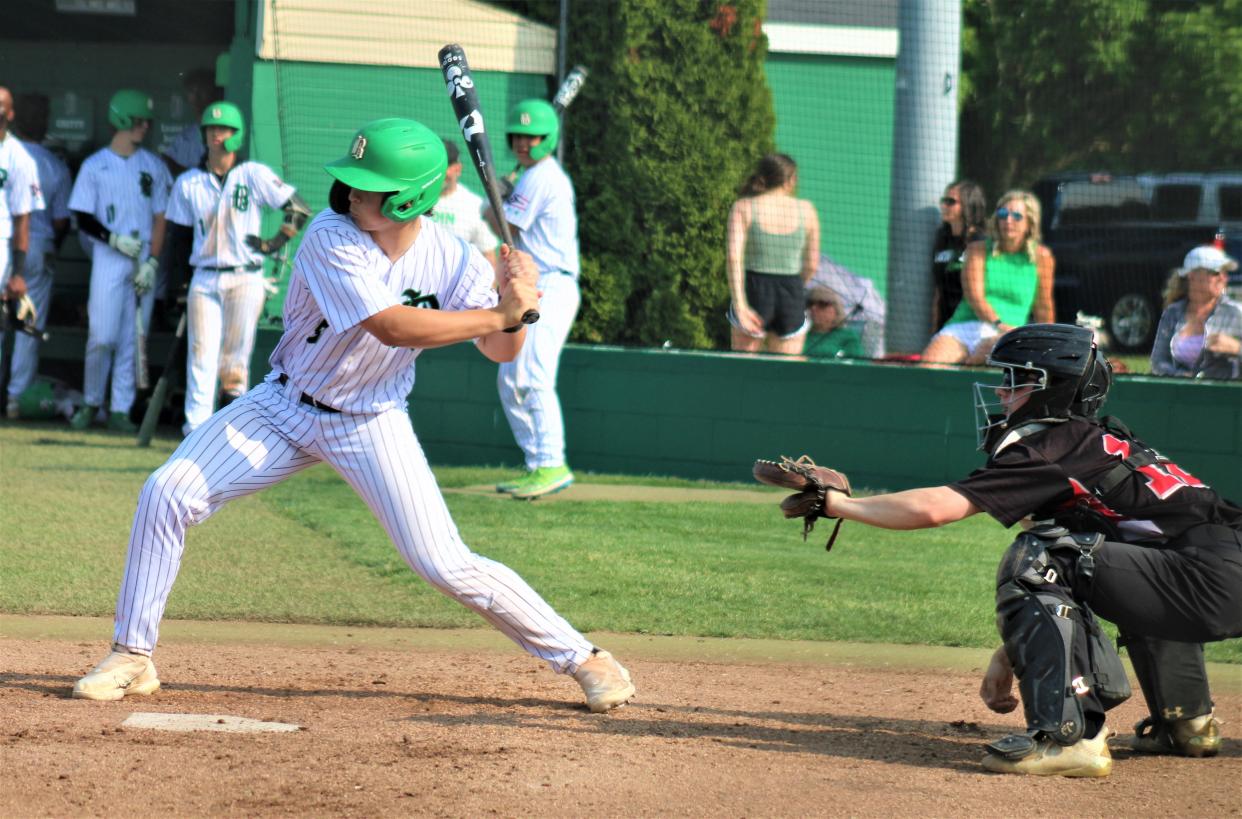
(812, 483)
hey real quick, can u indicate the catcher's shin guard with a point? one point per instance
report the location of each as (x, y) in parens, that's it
(1053, 643)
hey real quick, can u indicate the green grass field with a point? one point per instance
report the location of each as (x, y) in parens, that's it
(308, 551)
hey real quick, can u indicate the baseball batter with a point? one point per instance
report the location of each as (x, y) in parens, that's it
(219, 208)
(540, 212)
(119, 199)
(47, 229)
(374, 282)
(461, 210)
(19, 197)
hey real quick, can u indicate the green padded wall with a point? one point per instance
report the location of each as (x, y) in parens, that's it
(709, 415)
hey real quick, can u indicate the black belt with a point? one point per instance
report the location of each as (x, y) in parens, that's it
(250, 268)
(306, 399)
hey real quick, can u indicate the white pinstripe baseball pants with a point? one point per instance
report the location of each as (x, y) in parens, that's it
(527, 385)
(110, 336)
(263, 438)
(222, 315)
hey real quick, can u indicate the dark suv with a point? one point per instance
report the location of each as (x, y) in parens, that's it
(1116, 239)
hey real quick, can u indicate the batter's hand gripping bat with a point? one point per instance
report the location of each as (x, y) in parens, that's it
(465, 98)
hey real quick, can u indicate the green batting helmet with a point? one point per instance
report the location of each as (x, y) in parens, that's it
(536, 117)
(128, 105)
(397, 155)
(226, 115)
(38, 402)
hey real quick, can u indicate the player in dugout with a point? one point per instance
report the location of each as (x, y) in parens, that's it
(1114, 529)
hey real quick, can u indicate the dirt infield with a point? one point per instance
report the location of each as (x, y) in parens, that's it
(461, 724)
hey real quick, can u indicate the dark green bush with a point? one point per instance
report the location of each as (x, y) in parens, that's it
(673, 118)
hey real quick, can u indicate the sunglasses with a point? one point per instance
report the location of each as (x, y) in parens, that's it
(948, 200)
(1005, 213)
(820, 304)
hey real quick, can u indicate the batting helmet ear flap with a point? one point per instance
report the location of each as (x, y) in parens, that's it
(338, 197)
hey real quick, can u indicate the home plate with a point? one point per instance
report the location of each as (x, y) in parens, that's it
(204, 722)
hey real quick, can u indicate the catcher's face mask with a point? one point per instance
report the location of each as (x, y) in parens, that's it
(998, 404)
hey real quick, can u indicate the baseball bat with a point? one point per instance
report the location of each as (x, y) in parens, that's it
(159, 396)
(465, 98)
(142, 374)
(569, 89)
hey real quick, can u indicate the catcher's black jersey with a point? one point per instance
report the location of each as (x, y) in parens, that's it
(1054, 474)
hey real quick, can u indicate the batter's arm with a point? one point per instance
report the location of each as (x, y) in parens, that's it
(402, 326)
(924, 508)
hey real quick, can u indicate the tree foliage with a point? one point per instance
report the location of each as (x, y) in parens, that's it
(674, 116)
(1121, 85)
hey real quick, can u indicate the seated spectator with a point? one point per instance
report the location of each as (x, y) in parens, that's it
(1200, 332)
(828, 336)
(1006, 282)
(963, 213)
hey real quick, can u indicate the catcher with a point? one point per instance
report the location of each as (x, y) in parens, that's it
(1114, 529)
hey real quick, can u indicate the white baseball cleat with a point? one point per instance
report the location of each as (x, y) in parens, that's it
(120, 674)
(605, 682)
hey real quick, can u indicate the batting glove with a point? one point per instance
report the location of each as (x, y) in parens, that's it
(131, 246)
(144, 276)
(26, 312)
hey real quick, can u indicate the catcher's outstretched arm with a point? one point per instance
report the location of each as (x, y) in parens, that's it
(923, 508)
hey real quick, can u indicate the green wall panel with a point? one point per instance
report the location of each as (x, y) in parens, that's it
(680, 413)
(834, 116)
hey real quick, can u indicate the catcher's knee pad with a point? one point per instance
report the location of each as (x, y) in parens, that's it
(1058, 652)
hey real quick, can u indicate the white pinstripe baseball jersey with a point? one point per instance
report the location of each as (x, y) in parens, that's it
(542, 207)
(123, 193)
(340, 278)
(224, 213)
(19, 184)
(54, 182)
(462, 212)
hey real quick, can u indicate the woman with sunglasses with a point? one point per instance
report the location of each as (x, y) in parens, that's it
(773, 249)
(963, 218)
(1006, 282)
(1201, 327)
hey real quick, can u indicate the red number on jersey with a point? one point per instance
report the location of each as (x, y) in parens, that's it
(1163, 478)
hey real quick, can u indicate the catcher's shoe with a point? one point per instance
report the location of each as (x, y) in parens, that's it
(605, 682)
(119, 675)
(83, 417)
(543, 481)
(1039, 755)
(505, 487)
(1197, 737)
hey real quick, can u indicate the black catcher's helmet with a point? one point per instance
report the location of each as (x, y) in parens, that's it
(1071, 374)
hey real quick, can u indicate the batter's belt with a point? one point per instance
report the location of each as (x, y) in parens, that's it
(306, 399)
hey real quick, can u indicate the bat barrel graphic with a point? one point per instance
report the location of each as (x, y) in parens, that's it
(459, 83)
(569, 89)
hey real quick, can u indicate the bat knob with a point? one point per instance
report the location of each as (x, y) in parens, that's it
(530, 317)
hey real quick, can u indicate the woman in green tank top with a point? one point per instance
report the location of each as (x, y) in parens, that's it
(1006, 282)
(773, 250)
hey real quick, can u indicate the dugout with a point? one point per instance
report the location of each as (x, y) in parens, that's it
(304, 75)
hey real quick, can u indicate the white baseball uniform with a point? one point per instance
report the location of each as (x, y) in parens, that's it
(124, 194)
(462, 212)
(360, 426)
(19, 194)
(542, 208)
(54, 182)
(226, 292)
